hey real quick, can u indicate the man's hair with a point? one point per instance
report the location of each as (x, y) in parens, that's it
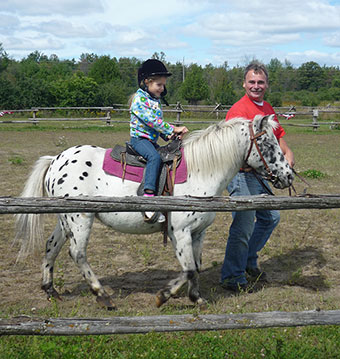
(257, 67)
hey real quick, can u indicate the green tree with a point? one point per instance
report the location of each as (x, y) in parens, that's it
(76, 91)
(159, 56)
(275, 99)
(174, 82)
(4, 59)
(310, 76)
(104, 70)
(85, 62)
(8, 95)
(111, 93)
(36, 56)
(195, 87)
(128, 68)
(275, 72)
(221, 89)
(288, 79)
(336, 81)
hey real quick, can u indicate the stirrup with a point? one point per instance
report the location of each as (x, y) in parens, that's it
(154, 218)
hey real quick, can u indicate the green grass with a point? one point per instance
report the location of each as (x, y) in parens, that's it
(307, 342)
(312, 173)
(16, 160)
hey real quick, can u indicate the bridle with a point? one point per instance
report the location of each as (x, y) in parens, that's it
(253, 141)
(271, 176)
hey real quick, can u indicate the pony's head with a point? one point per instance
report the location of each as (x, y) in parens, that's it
(265, 155)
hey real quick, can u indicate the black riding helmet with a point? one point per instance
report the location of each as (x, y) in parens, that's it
(152, 67)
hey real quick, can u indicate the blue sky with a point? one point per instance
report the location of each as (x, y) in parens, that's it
(198, 31)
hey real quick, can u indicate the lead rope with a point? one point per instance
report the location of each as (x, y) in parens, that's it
(291, 187)
(263, 184)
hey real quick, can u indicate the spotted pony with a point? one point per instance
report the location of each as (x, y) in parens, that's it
(213, 156)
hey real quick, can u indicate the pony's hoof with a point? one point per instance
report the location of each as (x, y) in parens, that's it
(202, 304)
(106, 302)
(160, 299)
(53, 294)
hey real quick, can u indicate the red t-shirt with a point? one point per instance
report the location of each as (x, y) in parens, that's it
(246, 108)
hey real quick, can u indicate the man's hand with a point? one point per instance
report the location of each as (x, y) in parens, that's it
(288, 153)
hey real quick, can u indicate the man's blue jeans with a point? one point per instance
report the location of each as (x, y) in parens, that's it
(147, 149)
(248, 233)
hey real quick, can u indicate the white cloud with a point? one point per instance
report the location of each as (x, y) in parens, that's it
(34, 43)
(67, 29)
(320, 57)
(332, 40)
(52, 7)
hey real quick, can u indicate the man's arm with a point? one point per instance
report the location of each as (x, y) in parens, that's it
(288, 153)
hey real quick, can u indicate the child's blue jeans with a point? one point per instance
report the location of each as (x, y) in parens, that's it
(147, 149)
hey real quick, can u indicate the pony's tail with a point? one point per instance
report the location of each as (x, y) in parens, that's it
(29, 226)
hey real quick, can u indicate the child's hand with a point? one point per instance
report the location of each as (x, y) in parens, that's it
(179, 131)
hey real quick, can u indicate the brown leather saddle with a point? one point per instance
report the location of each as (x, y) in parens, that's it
(170, 154)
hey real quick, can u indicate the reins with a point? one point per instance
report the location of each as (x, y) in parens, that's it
(291, 187)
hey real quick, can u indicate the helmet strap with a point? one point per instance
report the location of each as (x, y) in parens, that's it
(144, 87)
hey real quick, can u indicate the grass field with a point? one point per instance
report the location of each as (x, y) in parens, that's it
(301, 260)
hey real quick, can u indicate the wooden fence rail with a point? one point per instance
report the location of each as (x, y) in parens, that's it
(165, 204)
(166, 323)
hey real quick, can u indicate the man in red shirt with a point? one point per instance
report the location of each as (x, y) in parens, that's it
(250, 230)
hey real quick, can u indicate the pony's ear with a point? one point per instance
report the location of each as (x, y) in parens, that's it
(262, 121)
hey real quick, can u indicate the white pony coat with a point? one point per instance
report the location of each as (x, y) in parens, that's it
(213, 157)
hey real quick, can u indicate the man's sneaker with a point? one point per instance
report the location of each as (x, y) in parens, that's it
(256, 275)
(237, 287)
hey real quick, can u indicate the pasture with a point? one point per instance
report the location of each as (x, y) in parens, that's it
(302, 258)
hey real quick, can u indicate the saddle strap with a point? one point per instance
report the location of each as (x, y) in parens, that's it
(123, 163)
(169, 190)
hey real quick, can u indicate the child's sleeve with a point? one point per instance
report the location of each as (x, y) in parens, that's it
(152, 117)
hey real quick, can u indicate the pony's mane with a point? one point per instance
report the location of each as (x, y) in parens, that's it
(212, 149)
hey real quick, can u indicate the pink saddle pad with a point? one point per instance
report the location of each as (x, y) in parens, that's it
(135, 174)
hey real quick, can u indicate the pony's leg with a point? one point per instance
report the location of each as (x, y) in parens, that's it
(193, 281)
(197, 246)
(79, 233)
(53, 247)
(163, 295)
(185, 255)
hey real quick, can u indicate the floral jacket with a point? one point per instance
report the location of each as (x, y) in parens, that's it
(147, 118)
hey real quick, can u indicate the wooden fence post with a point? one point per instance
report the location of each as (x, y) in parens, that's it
(35, 121)
(315, 119)
(108, 116)
(179, 109)
(216, 109)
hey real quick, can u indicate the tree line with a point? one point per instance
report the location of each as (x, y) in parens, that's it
(38, 80)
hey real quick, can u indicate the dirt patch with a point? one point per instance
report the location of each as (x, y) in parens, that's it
(301, 258)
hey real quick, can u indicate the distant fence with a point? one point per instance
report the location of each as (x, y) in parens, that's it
(25, 325)
(182, 114)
